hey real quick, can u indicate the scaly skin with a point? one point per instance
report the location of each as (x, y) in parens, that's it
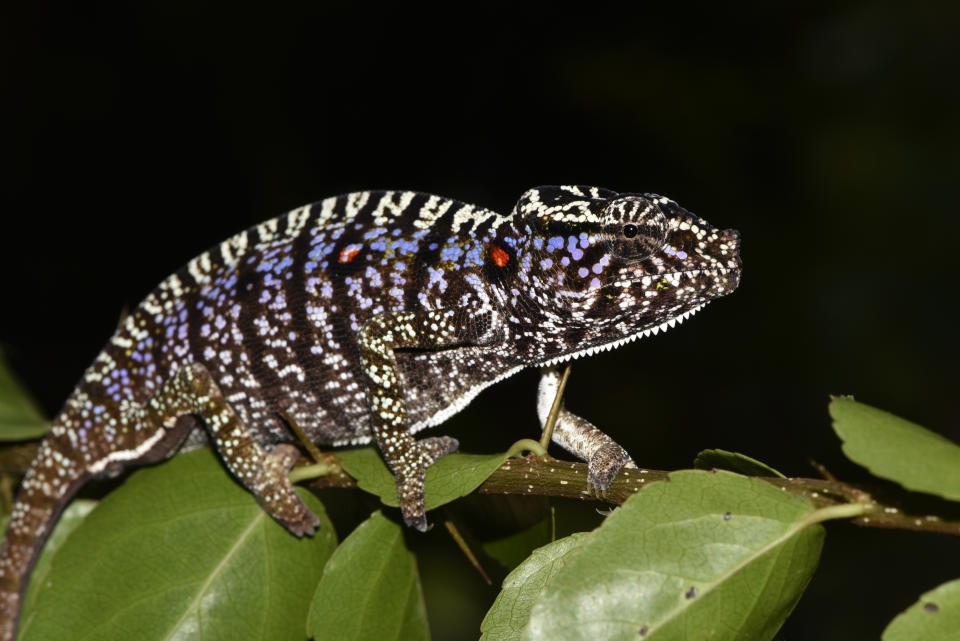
(366, 317)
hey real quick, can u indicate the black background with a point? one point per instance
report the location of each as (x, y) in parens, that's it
(135, 137)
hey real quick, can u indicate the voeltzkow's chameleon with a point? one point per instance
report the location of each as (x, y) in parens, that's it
(369, 317)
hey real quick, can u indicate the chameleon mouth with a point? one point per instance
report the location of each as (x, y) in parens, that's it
(606, 347)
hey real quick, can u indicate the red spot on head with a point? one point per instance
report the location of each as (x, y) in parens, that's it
(500, 257)
(348, 253)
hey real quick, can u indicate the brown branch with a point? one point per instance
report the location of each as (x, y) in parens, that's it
(890, 506)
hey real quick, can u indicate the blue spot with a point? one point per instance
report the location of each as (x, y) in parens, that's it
(583, 271)
(406, 246)
(576, 252)
(282, 265)
(538, 242)
(565, 261)
(681, 255)
(597, 268)
(451, 253)
(595, 283)
(555, 243)
(583, 240)
(546, 263)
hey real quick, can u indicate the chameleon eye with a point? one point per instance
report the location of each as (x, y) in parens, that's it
(634, 227)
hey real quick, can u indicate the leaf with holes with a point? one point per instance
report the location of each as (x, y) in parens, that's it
(451, 477)
(370, 588)
(896, 449)
(935, 617)
(699, 556)
(180, 550)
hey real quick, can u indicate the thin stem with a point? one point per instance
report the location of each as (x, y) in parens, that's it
(555, 409)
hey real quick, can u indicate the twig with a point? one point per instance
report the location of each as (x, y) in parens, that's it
(890, 506)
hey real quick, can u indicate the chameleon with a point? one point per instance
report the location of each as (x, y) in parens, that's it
(369, 317)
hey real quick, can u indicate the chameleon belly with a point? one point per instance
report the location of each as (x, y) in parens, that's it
(366, 317)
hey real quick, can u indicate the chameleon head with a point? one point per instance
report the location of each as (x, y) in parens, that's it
(618, 266)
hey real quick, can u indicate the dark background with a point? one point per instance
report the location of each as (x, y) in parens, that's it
(135, 137)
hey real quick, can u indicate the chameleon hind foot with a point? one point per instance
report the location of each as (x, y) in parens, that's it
(277, 496)
(192, 390)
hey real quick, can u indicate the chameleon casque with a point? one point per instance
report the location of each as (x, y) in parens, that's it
(369, 317)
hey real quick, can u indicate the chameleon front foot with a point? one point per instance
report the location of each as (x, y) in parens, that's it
(411, 469)
(604, 466)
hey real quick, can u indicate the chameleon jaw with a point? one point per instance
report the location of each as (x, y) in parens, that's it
(605, 347)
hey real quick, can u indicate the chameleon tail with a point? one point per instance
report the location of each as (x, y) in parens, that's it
(51, 480)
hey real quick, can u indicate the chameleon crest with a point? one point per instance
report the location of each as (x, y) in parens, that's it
(369, 317)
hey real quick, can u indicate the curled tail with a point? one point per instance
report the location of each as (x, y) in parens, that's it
(51, 480)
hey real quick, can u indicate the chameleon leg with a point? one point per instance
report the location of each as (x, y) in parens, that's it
(193, 391)
(578, 436)
(407, 457)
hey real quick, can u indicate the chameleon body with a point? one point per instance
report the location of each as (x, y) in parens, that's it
(369, 317)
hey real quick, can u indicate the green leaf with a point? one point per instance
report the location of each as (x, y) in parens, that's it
(935, 617)
(733, 462)
(451, 477)
(510, 551)
(699, 556)
(20, 417)
(370, 588)
(180, 550)
(896, 449)
(509, 614)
